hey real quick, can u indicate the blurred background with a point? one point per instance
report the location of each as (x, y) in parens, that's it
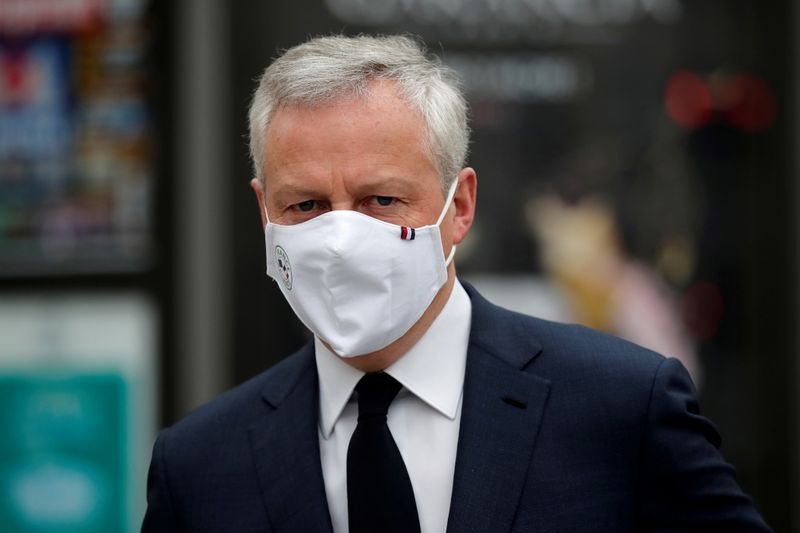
(638, 170)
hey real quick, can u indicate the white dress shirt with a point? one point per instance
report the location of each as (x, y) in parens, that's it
(424, 418)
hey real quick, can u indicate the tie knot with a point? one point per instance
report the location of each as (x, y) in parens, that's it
(375, 393)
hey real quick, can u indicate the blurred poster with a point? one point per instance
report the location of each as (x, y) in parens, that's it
(77, 387)
(76, 156)
(63, 444)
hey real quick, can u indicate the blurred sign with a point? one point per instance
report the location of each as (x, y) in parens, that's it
(509, 20)
(62, 453)
(522, 77)
(77, 389)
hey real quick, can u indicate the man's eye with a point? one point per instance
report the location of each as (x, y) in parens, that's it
(384, 200)
(306, 206)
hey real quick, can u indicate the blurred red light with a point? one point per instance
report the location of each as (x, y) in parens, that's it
(14, 78)
(750, 103)
(688, 100)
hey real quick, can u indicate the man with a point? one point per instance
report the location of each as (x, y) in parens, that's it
(496, 421)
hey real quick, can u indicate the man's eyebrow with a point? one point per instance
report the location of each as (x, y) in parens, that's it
(293, 189)
(302, 190)
(386, 181)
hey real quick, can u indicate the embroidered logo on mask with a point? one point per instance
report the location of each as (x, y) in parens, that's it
(284, 266)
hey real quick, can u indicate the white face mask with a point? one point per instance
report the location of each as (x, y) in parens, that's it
(357, 282)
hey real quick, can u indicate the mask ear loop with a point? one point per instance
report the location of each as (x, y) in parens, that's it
(450, 256)
(450, 195)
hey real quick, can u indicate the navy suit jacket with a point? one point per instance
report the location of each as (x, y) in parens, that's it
(563, 429)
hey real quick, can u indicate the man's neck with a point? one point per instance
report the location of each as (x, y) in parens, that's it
(385, 357)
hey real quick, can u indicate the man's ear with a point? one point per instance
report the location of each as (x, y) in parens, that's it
(255, 184)
(464, 203)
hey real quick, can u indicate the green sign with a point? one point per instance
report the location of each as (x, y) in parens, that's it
(63, 453)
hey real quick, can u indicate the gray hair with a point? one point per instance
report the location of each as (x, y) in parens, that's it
(327, 68)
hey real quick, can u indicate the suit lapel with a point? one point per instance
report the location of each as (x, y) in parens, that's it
(286, 450)
(501, 412)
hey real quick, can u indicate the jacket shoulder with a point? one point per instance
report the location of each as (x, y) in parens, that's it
(563, 349)
(573, 344)
(239, 406)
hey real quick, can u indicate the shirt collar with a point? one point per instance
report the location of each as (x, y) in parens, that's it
(433, 369)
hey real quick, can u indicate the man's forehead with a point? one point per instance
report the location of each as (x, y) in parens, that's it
(355, 120)
(371, 139)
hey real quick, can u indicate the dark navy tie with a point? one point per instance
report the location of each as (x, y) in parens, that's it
(379, 493)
